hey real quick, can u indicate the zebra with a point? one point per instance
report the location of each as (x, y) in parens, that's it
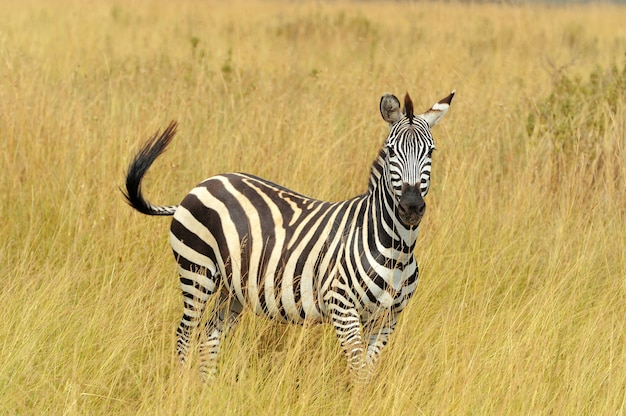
(252, 244)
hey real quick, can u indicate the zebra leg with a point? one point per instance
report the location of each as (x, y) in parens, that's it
(197, 287)
(225, 315)
(378, 333)
(347, 324)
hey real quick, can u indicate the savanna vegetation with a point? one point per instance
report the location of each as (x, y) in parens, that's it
(522, 301)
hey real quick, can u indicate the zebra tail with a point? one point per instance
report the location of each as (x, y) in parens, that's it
(138, 168)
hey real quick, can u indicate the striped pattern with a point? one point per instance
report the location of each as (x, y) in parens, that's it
(259, 246)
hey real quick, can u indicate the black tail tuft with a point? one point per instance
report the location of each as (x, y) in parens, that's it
(140, 165)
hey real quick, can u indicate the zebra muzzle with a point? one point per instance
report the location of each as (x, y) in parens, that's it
(411, 206)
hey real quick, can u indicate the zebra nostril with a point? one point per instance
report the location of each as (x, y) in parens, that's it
(416, 208)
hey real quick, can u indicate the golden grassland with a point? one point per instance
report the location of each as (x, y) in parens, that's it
(521, 307)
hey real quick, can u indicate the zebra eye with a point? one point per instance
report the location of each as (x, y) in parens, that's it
(391, 152)
(430, 152)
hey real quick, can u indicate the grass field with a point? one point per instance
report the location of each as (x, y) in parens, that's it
(521, 307)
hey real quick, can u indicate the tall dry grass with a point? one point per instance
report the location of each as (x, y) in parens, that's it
(522, 301)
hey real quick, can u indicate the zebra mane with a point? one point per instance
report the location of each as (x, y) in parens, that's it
(408, 108)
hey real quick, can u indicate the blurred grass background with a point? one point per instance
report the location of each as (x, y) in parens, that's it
(521, 305)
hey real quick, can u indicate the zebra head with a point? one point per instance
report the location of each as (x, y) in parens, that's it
(407, 152)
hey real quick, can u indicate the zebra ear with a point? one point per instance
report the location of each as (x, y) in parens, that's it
(408, 108)
(390, 108)
(437, 111)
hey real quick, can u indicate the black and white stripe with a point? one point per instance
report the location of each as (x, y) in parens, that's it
(260, 246)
